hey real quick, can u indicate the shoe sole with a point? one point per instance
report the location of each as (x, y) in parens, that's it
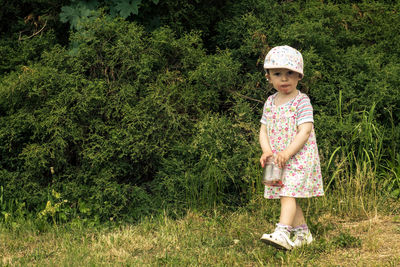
(274, 244)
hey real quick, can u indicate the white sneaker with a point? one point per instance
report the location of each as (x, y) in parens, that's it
(302, 237)
(279, 238)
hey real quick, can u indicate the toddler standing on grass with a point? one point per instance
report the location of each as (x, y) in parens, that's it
(287, 137)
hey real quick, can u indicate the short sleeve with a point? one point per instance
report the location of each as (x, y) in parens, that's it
(304, 111)
(264, 114)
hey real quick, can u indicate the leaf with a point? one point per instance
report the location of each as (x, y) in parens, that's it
(126, 8)
(76, 12)
(396, 193)
(69, 14)
(55, 194)
(74, 48)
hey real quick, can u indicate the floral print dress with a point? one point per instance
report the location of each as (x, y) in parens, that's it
(302, 173)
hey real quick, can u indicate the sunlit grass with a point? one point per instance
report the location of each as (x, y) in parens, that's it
(208, 238)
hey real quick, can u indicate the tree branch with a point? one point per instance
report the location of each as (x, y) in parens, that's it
(35, 33)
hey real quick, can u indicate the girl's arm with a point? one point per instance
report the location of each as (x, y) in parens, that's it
(264, 143)
(303, 132)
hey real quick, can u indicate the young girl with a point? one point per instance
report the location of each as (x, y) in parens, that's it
(287, 137)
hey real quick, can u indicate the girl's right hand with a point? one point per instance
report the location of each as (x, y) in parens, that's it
(264, 158)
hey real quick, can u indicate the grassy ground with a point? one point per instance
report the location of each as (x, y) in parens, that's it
(228, 238)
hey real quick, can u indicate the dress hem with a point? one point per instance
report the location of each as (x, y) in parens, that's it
(278, 197)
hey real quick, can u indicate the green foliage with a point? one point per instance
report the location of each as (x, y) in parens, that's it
(135, 115)
(24, 16)
(75, 13)
(11, 209)
(15, 54)
(214, 168)
(96, 125)
(79, 10)
(392, 176)
(346, 240)
(56, 208)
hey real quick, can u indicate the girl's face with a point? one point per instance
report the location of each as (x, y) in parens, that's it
(284, 81)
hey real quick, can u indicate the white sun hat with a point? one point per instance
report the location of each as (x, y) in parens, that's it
(284, 57)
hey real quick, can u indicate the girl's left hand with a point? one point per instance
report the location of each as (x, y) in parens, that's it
(281, 158)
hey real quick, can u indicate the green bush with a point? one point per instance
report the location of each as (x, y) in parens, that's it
(15, 54)
(216, 167)
(127, 120)
(95, 124)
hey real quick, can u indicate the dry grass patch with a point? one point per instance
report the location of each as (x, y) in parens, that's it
(379, 243)
(29, 248)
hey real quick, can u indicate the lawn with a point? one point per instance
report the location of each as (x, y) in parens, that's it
(213, 238)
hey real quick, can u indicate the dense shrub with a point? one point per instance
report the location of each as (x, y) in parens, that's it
(217, 165)
(15, 54)
(96, 123)
(127, 120)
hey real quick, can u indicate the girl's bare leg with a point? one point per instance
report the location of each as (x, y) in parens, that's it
(288, 210)
(299, 217)
(291, 212)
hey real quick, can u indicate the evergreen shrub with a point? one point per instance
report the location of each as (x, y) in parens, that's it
(126, 121)
(96, 123)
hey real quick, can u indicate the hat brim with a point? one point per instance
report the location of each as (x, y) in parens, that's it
(283, 67)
